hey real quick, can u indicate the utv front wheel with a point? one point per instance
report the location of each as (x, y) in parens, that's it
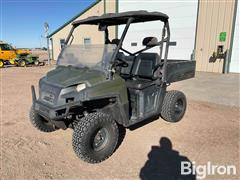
(95, 137)
(22, 63)
(174, 106)
(39, 122)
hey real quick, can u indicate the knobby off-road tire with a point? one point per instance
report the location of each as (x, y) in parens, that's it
(40, 123)
(174, 106)
(22, 63)
(95, 137)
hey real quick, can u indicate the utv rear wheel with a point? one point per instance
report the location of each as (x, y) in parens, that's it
(40, 123)
(174, 106)
(36, 62)
(95, 137)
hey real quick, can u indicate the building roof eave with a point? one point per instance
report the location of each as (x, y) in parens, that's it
(72, 19)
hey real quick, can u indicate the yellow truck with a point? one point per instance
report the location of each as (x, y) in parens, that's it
(20, 57)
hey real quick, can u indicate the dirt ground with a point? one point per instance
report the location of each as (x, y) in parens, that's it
(208, 132)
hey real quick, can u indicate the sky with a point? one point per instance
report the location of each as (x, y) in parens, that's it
(22, 21)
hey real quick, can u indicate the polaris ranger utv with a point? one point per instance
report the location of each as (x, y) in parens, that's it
(96, 89)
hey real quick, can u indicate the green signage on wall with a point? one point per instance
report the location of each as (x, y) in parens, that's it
(222, 36)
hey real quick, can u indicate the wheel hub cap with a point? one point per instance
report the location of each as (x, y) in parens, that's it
(178, 106)
(100, 139)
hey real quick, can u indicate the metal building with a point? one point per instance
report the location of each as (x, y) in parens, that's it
(207, 30)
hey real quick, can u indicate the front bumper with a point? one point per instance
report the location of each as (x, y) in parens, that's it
(57, 115)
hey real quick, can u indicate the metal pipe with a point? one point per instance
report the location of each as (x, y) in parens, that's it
(119, 45)
(124, 50)
(166, 52)
(106, 37)
(122, 38)
(161, 46)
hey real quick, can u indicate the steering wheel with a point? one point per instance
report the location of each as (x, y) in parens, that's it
(155, 73)
(121, 62)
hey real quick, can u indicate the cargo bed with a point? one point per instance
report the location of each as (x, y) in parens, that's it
(178, 70)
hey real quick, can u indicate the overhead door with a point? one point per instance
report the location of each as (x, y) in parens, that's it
(182, 19)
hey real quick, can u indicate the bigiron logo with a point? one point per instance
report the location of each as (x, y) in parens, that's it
(209, 169)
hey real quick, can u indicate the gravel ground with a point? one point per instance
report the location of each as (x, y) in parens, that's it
(208, 132)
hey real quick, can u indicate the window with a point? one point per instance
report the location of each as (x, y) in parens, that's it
(87, 41)
(62, 43)
(5, 47)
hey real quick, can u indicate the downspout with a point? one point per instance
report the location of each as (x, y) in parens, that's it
(226, 66)
(51, 40)
(196, 30)
(104, 12)
(104, 6)
(117, 11)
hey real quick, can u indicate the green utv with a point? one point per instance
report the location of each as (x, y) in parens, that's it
(98, 90)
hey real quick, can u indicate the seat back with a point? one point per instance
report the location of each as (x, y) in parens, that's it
(144, 65)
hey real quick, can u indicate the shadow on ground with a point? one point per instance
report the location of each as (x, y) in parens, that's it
(164, 163)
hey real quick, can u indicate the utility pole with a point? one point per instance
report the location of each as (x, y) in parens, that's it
(46, 28)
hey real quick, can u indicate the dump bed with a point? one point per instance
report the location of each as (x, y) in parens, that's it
(178, 70)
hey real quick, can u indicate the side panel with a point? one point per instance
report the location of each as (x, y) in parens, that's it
(112, 88)
(7, 54)
(146, 103)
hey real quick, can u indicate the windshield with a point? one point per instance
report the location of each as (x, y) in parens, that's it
(90, 56)
(6, 47)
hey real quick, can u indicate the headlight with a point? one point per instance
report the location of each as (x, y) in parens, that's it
(80, 87)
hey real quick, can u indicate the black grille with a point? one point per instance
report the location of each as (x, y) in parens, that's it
(49, 93)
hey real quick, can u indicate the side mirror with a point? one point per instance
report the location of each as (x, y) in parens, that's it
(173, 43)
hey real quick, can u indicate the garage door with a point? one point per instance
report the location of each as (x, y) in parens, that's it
(234, 64)
(182, 19)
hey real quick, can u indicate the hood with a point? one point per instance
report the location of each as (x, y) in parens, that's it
(68, 76)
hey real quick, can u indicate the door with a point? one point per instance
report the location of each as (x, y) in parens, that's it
(213, 34)
(7, 52)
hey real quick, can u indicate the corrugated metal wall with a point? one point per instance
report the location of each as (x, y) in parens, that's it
(215, 16)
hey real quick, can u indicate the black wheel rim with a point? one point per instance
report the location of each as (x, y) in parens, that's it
(100, 139)
(179, 106)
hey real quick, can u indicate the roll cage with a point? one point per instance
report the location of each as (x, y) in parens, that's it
(114, 19)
